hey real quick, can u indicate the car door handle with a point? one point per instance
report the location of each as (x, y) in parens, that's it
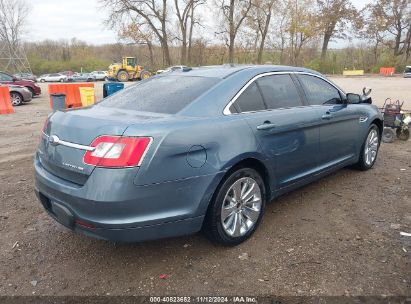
(327, 116)
(266, 126)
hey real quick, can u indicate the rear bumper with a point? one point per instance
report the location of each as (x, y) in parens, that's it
(26, 96)
(128, 213)
(67, 218)
(37, 90)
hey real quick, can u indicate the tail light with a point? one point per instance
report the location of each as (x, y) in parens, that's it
(117, 151)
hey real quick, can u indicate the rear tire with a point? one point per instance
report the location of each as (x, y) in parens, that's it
(16, 99)
(403, 134)
(388, 135)
(369, 149)
(236, 208)
(145, 75)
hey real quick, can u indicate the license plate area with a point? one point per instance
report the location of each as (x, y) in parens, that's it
(59, 212)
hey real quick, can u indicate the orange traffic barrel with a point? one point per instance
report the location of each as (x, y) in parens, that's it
(5, 102)
(72, 92)
(387, 71)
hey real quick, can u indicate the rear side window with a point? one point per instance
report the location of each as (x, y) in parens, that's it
(318, 91)
(279, 91)
(169, 94)
(4, 77)
(250, 100)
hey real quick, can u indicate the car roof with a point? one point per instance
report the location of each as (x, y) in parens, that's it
(224, 71)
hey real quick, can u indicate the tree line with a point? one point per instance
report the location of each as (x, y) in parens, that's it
(297, 31)
(161, 33)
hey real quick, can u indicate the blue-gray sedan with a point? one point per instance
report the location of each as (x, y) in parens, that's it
(202, 148)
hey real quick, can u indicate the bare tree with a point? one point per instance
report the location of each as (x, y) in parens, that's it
(334, 16)
(395, 18)
(185, 11)
(261, 14)
(13, 16)
(303, 26)
(154, 12)
(141, 34)
(183, 15)
(371, 28)
(193, 22)
(282, 19)
(234, 13)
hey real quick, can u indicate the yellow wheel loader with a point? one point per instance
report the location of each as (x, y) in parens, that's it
(127, 70)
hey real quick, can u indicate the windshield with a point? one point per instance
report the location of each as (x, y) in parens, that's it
(408, 70)
(167, 95)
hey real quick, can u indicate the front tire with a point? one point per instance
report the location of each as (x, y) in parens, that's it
(16, 99)
(122, 76)
(369, 149)
(237, 207)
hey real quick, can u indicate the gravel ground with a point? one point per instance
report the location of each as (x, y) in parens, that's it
(337, 236)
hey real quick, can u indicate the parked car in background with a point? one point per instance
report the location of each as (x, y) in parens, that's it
(81, 77)
(29, 84)
(99, 75)
(199, 149)
(18, 94)
(407, 72)
(67, 73)
(54, 77)
(172, 69)
(27, 76)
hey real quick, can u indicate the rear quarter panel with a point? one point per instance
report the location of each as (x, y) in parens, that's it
(373, 114)
(184, 148)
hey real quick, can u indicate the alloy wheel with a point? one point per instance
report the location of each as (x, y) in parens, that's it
(16, 99)
(241, 207)
(371, 147)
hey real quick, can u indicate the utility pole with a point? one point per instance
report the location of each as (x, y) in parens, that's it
(13, 58)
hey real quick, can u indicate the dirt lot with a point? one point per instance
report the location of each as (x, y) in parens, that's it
(338, 236)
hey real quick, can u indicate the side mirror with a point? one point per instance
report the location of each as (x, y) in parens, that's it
(15, 78)
(353, 98)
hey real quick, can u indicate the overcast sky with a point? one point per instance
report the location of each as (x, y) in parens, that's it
(83, 19)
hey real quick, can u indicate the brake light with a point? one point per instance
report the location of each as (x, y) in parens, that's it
(117, 151)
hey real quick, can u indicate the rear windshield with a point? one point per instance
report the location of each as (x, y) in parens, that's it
(167, 94)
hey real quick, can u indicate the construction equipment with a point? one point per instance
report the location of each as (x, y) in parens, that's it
(127, 70)
(395, 118)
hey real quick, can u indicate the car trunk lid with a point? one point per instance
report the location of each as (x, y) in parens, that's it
(68, 135)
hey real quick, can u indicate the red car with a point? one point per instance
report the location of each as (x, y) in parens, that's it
(29, 84)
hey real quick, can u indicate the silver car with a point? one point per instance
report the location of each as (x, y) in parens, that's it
(54, 77)
(407, 72)
(19, 94)
(99, 75)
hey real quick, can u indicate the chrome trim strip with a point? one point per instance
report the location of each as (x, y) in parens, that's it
(71, 145)
(227, 111)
